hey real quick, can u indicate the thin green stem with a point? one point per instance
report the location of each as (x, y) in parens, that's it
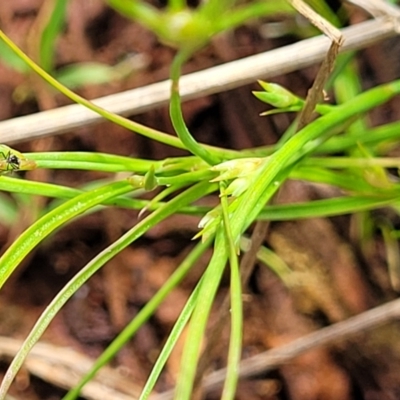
(94, 265)
(144, 314)
(122, 121)
(352, 162)
(172, 339)
(178, 122)
(56, 20)
(304, 142)
(237, 16)
(140, 11)
(208, 289)
(235, 342)
(325, 208)
(38, 231)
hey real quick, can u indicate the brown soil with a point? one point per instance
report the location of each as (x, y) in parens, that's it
(342, 278)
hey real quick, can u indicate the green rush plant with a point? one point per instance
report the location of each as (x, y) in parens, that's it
(244, 180)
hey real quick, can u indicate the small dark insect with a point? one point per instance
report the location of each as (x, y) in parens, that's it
(12, 161)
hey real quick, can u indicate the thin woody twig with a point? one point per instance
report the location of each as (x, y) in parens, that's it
(317, 20)
(63, 367)
(378, 8)
(335, 333)
(316, 93)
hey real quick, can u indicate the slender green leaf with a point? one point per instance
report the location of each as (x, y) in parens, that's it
(325, 208)
(197, 325)
(122, 121)
(144, 314)
(65, 294)
(32, 236)
(56, 13)
(173, 337)
(89, 73)
(177, 118)
(12, 60)
(235, 342)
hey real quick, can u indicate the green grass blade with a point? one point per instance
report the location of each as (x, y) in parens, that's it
(140, 11)
(275, 264)
(92, 161)
(247, 207)
(59, 192)
(16, 185)
(32, 236)
(8, 210)
(235, 341)
(325, 208)
(346, 86)
(239, 15)
(171, 342)
(374, 136)
(353, 162)
(322, 8)
(12, 60)
(56, 13)
(144, 314)
(122, 121)
(177, 120)
(188, 196)
(197, 325)
(346, 180)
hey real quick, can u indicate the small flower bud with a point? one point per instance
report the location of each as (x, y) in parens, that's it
(277, 96)
(237, 168)
(137, 181)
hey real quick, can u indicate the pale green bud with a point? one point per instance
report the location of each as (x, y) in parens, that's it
(237, 168)
(237, 187)
(277, 96)
(137, 181)
(209, 217)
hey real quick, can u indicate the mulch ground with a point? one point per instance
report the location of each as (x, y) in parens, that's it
(341, 276)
